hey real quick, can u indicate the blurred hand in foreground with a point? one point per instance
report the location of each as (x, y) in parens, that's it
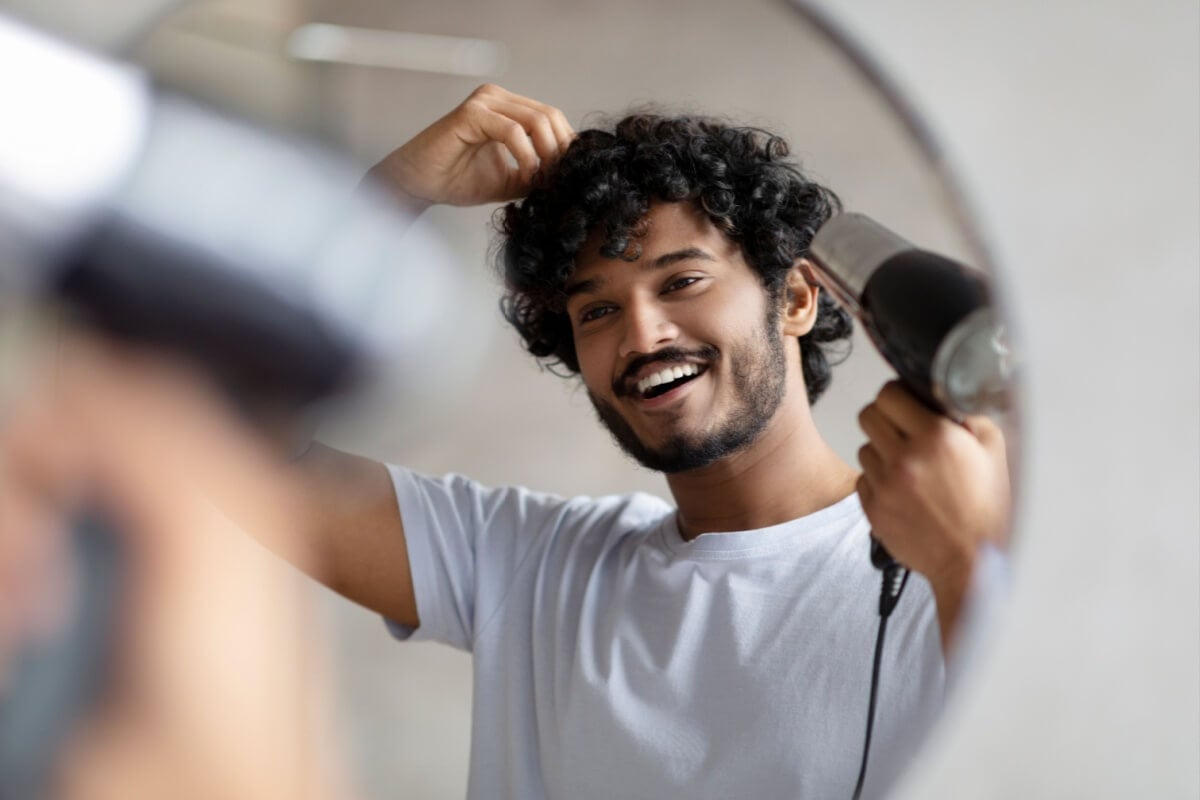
(213, 690)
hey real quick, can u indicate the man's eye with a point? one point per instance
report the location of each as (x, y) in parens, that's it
(680, 283)
(594, 313)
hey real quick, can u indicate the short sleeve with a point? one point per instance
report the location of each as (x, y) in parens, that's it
(466, 542)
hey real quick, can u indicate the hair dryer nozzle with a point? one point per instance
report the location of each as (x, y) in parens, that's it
(847, 250)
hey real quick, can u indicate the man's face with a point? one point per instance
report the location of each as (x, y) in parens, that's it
(680, 350)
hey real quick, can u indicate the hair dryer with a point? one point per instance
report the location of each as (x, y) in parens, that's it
(244, 253)
(248, 253)
(931, 318)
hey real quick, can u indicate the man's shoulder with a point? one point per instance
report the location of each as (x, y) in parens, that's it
(464, 494)
(630, 506)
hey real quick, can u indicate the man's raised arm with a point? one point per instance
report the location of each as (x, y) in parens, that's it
(485, 150)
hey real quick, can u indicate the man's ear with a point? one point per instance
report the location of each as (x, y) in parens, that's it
(800, 299)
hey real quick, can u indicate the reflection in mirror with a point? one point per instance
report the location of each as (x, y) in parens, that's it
(745, 654)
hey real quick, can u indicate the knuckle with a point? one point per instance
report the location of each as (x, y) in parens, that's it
(514, 132)
(863, 487)
(866, 416)
(891, 393)
(865, 456)
(906, 473)
(945, 444)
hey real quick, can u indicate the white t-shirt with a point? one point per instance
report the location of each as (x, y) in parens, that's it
(613, 659)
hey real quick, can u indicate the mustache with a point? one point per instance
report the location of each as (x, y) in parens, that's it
(625, 384)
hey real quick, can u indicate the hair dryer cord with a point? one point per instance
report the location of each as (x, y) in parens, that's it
(895, 578)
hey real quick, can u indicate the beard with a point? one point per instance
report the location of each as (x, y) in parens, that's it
(758, 367)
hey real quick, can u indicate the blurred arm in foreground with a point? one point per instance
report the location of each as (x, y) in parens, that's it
(211, 686)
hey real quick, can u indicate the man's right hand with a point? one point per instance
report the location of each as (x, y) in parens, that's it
(486, 150)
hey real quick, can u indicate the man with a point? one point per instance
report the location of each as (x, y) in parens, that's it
(624, 647)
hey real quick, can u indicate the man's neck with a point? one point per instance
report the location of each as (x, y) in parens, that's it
(788, 472)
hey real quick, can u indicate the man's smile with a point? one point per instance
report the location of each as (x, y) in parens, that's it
(657, 374)
(664, 380)
(668, 392)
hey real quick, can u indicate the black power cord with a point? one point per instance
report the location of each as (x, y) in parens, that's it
(895, 578)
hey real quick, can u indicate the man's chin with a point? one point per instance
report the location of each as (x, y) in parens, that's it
(682, 452)
(675, 451)
(679, 453)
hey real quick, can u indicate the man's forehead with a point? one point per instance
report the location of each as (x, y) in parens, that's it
(666, 228)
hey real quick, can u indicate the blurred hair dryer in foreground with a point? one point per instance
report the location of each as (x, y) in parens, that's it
(932, 318)
(248, 253)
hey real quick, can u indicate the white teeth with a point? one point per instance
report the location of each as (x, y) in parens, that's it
(666, 376)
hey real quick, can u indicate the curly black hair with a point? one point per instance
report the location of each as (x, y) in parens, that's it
(740, 177)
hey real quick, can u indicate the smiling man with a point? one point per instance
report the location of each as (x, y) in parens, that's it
(623, 646)
(651, 328)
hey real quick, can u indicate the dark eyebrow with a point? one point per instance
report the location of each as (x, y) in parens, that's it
(665, 260)
(686, 254)
(582, 287)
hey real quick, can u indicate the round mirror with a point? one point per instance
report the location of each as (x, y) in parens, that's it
(366, 76)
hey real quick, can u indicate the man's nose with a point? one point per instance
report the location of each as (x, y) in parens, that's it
(646, 328)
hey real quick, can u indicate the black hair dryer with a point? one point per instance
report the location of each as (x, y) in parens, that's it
(931, 318)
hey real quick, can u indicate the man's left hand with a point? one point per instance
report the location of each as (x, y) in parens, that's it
(934, 490)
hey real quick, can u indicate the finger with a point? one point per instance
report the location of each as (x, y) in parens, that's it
(872, 464)
(534, 115)
(866, 495)
(884, 435)
(512, 135)
(39, 458)
(908, 414)
(563, 132)
(490, 94)
(562, 129)
(163, 425)
(537, 125)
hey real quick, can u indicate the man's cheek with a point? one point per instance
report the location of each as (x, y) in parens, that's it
(596, 380)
